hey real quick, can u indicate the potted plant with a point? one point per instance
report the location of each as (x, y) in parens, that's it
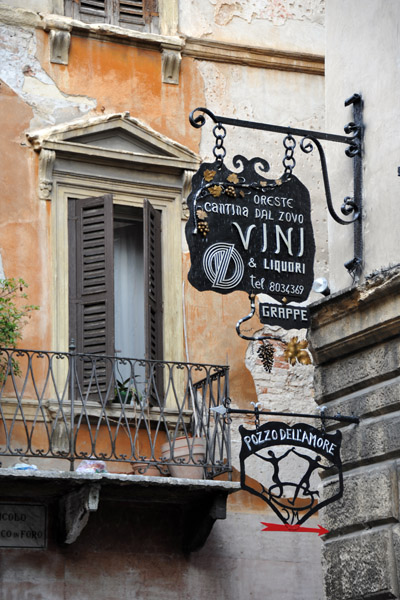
(13, 316)
(186, 455)
(127, 393)
(146, 468)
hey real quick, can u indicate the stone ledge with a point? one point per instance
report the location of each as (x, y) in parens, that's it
(199, 502)
(375, 400)
(371, 441)
(348, 374)
(118, 479)
(356, 318)
(253, 56)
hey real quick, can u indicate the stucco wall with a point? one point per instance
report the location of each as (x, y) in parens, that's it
(362, 41)
(283, 25)
(134, 553)
(107, 74)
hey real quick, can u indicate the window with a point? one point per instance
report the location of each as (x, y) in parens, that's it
(115, 286)
(119, 159)
(134, 14)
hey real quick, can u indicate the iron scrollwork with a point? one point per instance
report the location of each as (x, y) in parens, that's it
(348, 206)
(352, 205)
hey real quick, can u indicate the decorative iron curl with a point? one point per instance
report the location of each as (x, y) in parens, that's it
(354, 147)
(240, 161)
(247, 318)
(349, 206)
(200, 120)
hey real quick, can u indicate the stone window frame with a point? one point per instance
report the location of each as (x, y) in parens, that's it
(71, 169)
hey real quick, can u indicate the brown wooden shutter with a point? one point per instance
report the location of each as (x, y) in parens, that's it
(153, 282)
(136, 12)
(91, 259)
(131, 11)
(96, 8)
(128, 13)
(89, 11)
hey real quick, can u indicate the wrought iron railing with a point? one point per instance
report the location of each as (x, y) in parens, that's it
(128, 413)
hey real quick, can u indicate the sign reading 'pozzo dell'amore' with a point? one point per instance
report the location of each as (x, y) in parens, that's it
(249, 233)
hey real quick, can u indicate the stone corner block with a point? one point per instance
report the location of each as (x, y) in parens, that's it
(360, 566)
(368, 497)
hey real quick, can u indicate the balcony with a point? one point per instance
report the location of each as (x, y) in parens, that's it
(145, 426)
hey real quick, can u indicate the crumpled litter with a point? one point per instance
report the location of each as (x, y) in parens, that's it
(24, 467)
(92, 466)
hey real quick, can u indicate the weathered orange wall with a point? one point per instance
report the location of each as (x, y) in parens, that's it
(212, 338)
(126, 78)
(24, 225)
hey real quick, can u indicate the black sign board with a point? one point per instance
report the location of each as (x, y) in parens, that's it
(288, 317)
(311, 450)
(248, 233)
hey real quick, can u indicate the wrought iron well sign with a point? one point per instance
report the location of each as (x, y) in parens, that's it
(314, 451)
(291, 457)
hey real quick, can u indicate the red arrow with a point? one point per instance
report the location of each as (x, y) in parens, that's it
(278, 527)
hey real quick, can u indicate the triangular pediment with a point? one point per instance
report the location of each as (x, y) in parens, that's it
(116, 133)
(118, 138)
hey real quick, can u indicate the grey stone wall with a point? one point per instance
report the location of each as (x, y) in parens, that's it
(356, 346)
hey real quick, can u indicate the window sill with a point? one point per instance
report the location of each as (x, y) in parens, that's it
(9, 407)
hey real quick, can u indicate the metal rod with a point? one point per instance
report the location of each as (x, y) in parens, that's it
(338, 417)
(357, 103)
(329, 137)
(247, 318)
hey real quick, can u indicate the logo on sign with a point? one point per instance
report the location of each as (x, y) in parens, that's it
(217, 261)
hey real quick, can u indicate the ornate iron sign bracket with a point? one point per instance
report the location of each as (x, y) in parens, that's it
(292, 455)
(352, 205)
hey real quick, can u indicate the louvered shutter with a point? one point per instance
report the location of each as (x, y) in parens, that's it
(130, 11)
(95, 8)
(153, 282)
(153, 303)
(89, 11)
(92, 285)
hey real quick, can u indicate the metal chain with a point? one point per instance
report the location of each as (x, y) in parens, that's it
(289, 162)
(219, 151)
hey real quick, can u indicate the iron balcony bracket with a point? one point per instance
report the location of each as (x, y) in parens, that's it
(352, 205)
(226, 410)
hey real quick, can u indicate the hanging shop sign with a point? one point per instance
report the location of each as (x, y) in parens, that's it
(291, 458)
(246, 232)
(250, 233)
(286, 450)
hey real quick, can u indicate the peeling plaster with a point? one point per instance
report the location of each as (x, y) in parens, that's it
(286, 389)
(275, 11)
(22, 72)
(287, 25)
